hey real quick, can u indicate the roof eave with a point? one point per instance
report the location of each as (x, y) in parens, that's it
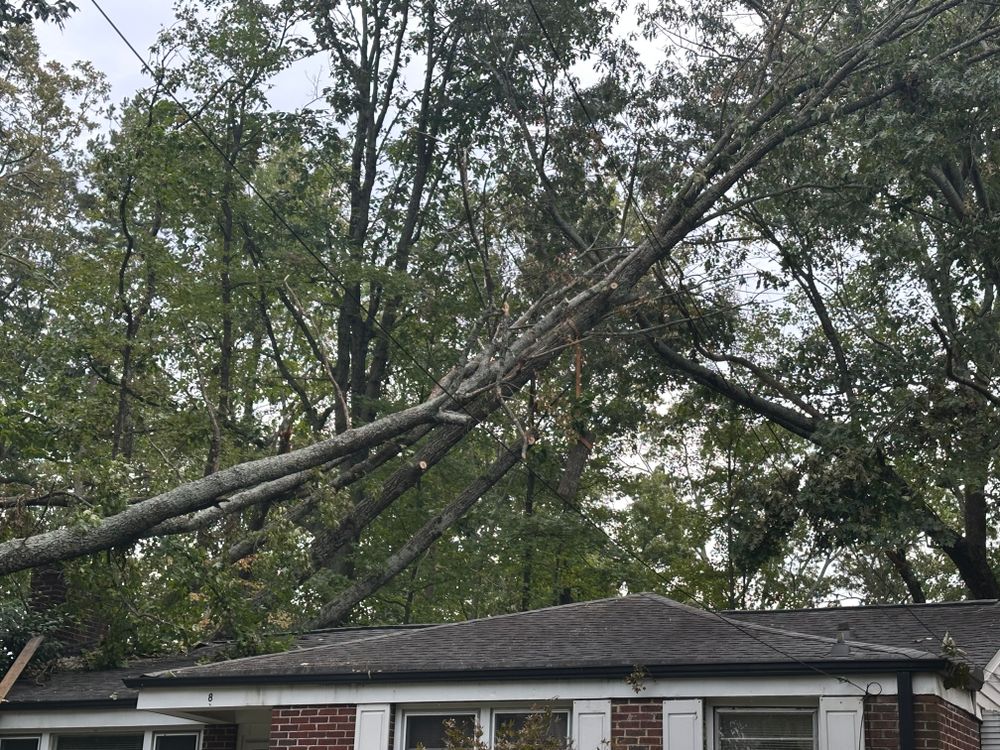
(767, 669)
(69, 703)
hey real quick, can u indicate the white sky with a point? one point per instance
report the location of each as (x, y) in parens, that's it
(87, 36)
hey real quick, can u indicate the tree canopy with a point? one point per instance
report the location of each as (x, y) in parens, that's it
(717, 320)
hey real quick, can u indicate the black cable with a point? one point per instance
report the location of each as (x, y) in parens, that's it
(544, 482)
(654, 240)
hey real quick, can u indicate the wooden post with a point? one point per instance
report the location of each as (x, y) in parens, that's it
(19, 664)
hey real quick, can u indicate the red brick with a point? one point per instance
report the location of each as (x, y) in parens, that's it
(637, 724)
(312, 728)
(939, 725)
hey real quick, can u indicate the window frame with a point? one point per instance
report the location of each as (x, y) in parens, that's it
(553, 710)
(719, 710)
(149, 735)
(483, 713)
(445, 711)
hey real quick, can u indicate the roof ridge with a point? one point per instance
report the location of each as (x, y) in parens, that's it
(855, 607)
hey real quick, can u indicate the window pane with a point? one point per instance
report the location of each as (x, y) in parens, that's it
(19, 743)
(176, 741)
(766, 731)
(429, 731)
(508, 725)
(100, 742)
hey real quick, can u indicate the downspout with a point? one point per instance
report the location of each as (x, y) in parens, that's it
(904, 698)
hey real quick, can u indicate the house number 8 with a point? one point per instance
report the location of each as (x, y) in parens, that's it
(210, 698)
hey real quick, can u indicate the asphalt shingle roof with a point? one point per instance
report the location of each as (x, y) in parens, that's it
(974, 625)
(81, 686)
(642, 629)
(639, 630)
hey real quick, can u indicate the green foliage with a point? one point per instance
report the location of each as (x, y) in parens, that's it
(19, 624)
(23, 12)
(534, 733)
(160, 320)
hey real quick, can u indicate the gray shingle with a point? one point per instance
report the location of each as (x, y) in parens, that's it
(77, 685)
(974, 625)
(642, 629)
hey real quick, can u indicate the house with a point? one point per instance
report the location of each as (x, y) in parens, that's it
(639, 672)
(70, 708)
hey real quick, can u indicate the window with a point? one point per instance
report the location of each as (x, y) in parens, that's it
(18, 743)
(486, 725)
(510, 723)
(99, 742)
(430, 731)
(175, 742)
(766, 729)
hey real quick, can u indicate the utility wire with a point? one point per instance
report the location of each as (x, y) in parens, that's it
(542, 480)
(654, 240)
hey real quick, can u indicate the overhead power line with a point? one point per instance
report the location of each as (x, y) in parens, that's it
(629, 553)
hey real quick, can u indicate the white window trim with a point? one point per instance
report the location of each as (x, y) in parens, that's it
(714, 712)
(49, 740)
(483, 714)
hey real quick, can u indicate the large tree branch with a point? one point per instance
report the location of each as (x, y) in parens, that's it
(304, 510)
(536, 346)
(335, 611)
(130, 524)
(793, 421)
(329, 542)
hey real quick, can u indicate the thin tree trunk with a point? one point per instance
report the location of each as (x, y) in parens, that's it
(335, 611)
(907, 574)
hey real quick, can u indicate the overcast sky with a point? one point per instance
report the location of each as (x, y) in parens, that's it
(87, 36)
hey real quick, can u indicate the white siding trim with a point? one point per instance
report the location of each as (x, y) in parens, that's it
(526, 691)
(60, 722)
(990, 731)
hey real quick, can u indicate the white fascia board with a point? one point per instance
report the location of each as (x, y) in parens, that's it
(992, 665)
(84, 719)
(236, 697)
(933, 684)
(989, 697)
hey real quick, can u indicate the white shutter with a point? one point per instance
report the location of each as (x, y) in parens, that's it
(841, 722)
(591, 725)
(683, 724)
(371, 730)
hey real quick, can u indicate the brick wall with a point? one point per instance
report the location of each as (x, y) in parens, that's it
(939, 724)
(881, 723)
(313, 727)
(942, 726)
(219, 737)
(637, 724)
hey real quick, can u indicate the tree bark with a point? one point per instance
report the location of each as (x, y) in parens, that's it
(335, 611)
(906, 574)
